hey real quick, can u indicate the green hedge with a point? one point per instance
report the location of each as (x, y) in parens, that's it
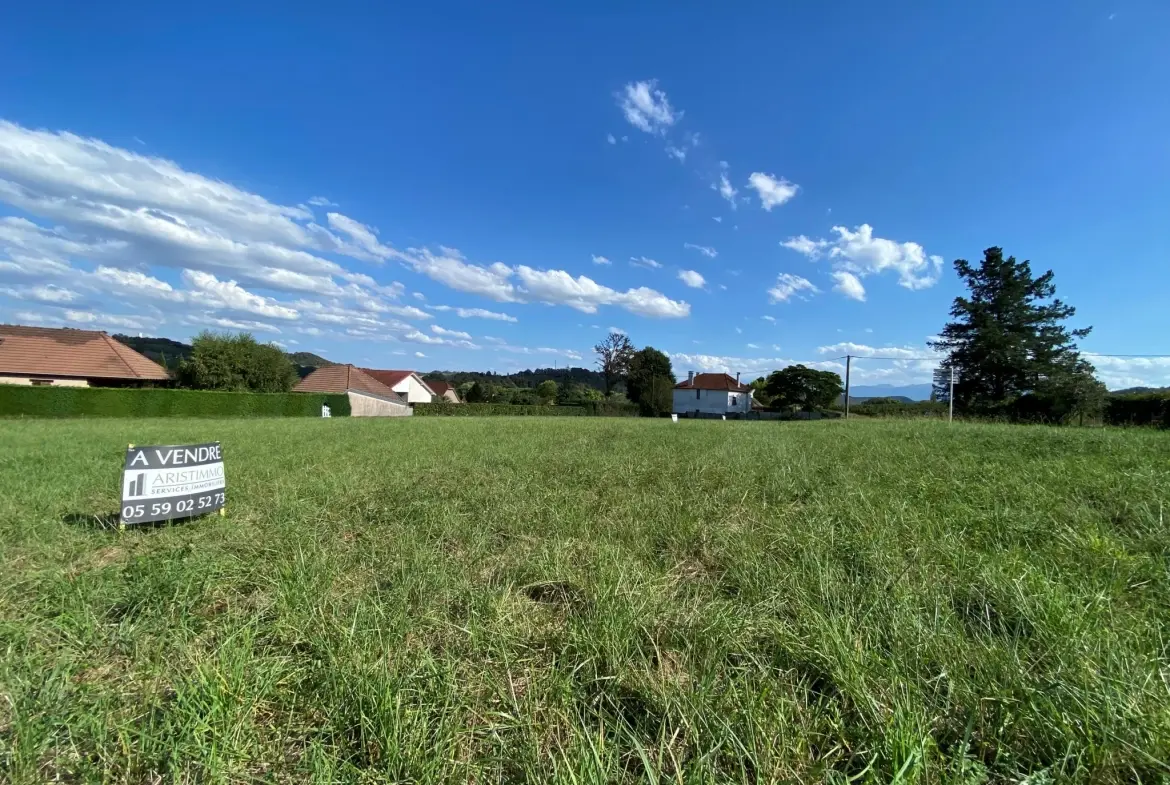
(18, 401)
(585, 409)
(1138, 409)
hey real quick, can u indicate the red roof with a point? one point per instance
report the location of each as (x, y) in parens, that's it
(388, 378)
(439, 387)
(342, 378)
(54, 351)
(713, 381)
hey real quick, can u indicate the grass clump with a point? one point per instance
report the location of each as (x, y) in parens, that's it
(591, 600)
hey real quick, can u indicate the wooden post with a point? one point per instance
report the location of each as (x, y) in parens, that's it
(848, 364)
(121, 524)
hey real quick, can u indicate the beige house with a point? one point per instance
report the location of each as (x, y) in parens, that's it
(407, 384)
(64, 357)
(445, 391)
(367, 396)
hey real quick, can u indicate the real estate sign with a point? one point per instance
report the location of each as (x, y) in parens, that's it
(172, 481)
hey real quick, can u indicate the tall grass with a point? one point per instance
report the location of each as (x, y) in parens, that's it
(591, 600)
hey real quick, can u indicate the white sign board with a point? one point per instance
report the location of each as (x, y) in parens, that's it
(172, 481)
(325, 411)
(674, 418)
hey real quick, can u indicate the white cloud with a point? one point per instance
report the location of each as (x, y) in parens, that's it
(243, 325)
(617, 330)
(717, 219)
(768, 318)
(405, 311)
(643, 261)
(476, 313)
(600, 259)
(419, 354)
(365, 238)
(858, 252)
(691, 279)
(419, 296)
(706, 250)
(849, 285)
(676, 152)
(896, 352)
(567, 353)
(805, 245)
(610, 138)
(437, 330)
(584, 294)
(788, 285)
(452, 270)
(724, 186)
(45, 293)
(647, 108)
(752, 346)
(772, 191)
(206, 289)
(739, 330)
(321, 201)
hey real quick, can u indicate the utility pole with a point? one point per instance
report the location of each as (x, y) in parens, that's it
(951, 397)
(848, 364)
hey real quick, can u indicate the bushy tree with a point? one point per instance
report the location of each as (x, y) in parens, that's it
(547, 391)
(1008, 340)
(236, 362)
(475, 394)
(574, 394)
(759, 391)
(613, 359)
(650, 381)
(800, 387)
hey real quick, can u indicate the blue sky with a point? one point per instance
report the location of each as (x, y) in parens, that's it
(415, 187)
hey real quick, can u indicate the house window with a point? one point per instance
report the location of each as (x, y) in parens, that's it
(40, 382)
(697, 394)
(735, 400)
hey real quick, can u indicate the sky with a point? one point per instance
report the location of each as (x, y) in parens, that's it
(496, 186)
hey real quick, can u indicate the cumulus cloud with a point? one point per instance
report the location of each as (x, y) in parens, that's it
(584, 294)
(600, 259)
(849, 285)
(772, 191)
(437, 330)
(647, 108)
(691, 279)
(724, 187)
(476, 313)
(206, 289)
(896, 352)
(788, 285)
(611, 138)
(706, 250)
(676, 152)
(859, 253)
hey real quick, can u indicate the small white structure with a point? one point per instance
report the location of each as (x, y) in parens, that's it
(408, 384)
(712, 395)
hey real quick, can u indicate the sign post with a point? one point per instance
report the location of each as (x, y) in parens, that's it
(160, 483)
(945, 378)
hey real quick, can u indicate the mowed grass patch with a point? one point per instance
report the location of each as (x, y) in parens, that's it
(591, 600)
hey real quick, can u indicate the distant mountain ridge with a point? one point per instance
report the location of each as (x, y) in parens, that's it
(169, 353)
(911, 392)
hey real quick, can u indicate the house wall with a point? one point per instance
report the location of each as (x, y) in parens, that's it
(28, 380)
(451, 397)
(711, 401)
(369, 406)
(413, 390)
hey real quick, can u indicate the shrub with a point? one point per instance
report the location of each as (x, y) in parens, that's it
(879, 407)
(1138, 409)
(16, 401)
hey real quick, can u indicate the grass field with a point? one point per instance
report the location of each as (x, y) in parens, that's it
(591, 600)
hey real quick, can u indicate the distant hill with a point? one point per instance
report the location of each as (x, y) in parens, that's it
(169, 354)
(854, 400)
(163, 351)
(912, 392)
(1135, 390)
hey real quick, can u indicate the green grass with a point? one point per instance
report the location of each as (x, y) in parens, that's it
(591, 600)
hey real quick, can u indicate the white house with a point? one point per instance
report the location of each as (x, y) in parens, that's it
(709, 394)
(367, 396)
(408, 384)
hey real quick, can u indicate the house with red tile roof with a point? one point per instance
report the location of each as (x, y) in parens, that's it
(367, 396)
(407, 384)
(710, 394)
(445, 391)
(64, 357)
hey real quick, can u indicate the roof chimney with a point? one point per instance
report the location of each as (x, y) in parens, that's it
(691, 379)
(737, 377)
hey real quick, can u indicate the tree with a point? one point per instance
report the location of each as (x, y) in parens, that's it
(475, 394)
(759, 391)
(613, 359)
(649, 368)
(803, 388)
(236, 362)
(547, 391)
(1007, 338)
